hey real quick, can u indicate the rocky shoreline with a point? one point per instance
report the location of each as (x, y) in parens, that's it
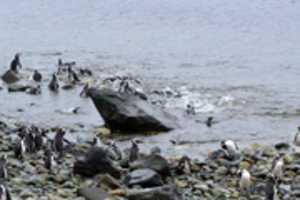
(145, 176)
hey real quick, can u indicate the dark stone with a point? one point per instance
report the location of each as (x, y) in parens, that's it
(154, 162)
(157, 193)
(144, 178)
(128, 113)
(18, 88)
(93, 194)
(10, 77)
(96, 161)
(282, 146)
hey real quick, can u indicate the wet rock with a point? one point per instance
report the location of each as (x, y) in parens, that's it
(155, 162)
(144, 178)
(18, 88)
(96, 161)
(93, 194)
(158, 193)
(129, 113)
(10, 77)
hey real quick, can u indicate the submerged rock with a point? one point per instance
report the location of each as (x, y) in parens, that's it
(144, 178)
(128, 113)
(18, 88)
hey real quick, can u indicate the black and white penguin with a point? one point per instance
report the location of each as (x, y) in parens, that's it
(37, 76)
(209, 122)
(117, 154)
(84, 72)
(271, 192)
(34, 90)
(29, 142)
(38, 141)
(296, 141)
(53, 85)
(134, 151)
(231, 149)
(84, 91)
(3, 168)
(4, 193)
(190, 110)
(277, 167)
(15, 63)
(58, 143)
(20, 148)
(245, 181)
(49, 160)
(72, 76)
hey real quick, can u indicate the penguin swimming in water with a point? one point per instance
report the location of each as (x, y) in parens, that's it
(37, 76)
(53, 85)
(4, 193)
(209, 122)
(3, 169)
(15, 63)
(134, 151)
(277, 167)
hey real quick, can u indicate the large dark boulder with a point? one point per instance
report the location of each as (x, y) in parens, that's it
(96, 161)
(10, 77)
(129, 113)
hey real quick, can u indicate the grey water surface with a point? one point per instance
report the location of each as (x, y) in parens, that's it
(238, 61)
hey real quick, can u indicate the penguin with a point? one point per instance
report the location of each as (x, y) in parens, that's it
(84, 92)
(85, 72)
(190, 110)
(245, 181)
(3, 168)
(117, 154)
(15, 63)
(230, 149)
(134, 151)
(34, 90)
(58, 143)
(4, 193)
(53, 85)
(72, 76)
(296, 141)
(271, 192)
(37, 76)
(277, 167)
(49, 160)
(38, 141)
(209, 121)
(20, 148)
(29, 142)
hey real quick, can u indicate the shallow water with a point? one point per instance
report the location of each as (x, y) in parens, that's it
(238, 61)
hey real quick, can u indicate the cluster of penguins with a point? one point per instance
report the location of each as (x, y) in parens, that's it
(230, 151)
(63, 68)
(33, 140)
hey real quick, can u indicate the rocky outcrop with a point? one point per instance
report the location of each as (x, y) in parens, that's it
(128, 113)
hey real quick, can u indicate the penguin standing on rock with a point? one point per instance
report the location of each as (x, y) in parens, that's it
(20, 148)
(37, 76)
(296, 141)
(245, 181)
(49, 160)
(230, 149)
(4, 193)
(3, 169)
(277, 167)
(15, 63)
(134, 151)
(53, 85)
(59, 142)
(271, 188)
